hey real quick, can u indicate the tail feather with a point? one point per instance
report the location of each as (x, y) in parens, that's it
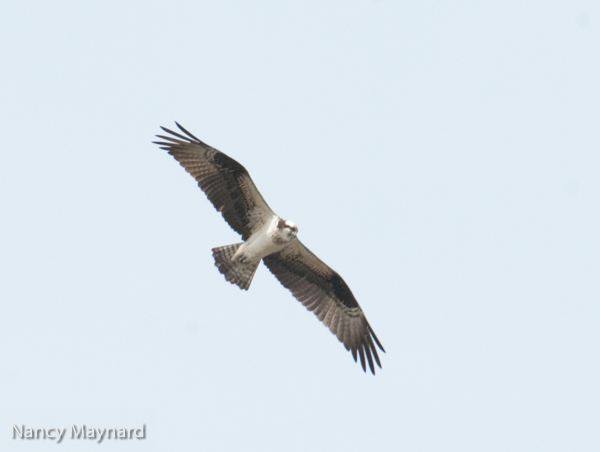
(235, 272)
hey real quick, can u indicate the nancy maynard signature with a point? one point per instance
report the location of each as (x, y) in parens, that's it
(78, 432)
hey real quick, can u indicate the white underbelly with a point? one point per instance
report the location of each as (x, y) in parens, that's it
(258, 249)
(259, 245)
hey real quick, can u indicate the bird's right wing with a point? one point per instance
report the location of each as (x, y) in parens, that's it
(225, 182)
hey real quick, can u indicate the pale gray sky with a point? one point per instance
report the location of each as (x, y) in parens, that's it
(442, 157)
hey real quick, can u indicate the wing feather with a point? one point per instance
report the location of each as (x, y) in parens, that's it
(323, 291)
(225, 182)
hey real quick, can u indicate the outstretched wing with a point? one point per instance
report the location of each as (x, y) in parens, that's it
(323, 291)
(225, 182)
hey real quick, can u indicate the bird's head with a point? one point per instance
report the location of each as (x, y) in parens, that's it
(288, 229)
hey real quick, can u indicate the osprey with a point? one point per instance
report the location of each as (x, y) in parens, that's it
(273, 240)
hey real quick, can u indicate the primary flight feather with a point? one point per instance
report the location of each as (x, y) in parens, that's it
(273, 240)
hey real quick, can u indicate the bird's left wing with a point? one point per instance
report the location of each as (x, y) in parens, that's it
(226, 183)
(323, 291)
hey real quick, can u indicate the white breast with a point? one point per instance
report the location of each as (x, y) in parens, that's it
(260, 244)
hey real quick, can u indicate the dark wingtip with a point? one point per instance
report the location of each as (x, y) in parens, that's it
(163, 145)
(188, 133)
(166, 130)
(370, 359)
(374, 351)
(361, 352)
(178, 135)
(375, 337)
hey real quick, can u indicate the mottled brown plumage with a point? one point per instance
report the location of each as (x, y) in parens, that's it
(323, 291)
(226, 183)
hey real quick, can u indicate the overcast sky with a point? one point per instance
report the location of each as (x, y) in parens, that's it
(443, 157)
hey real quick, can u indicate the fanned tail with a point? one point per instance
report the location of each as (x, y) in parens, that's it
(235, 272)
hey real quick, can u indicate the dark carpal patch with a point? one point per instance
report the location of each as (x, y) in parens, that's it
(331, 283)
(226, 163)
(342, 291)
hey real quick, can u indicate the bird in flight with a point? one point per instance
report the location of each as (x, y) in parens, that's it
(270, 238)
